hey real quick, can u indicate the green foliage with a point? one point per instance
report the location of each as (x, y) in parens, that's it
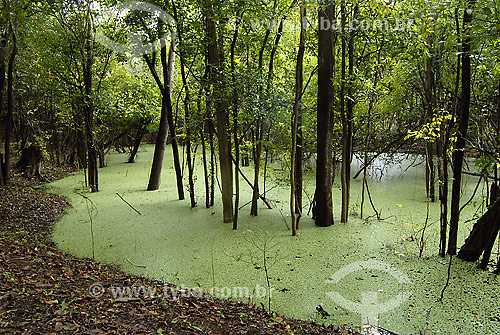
(393, 43)
(430, 131)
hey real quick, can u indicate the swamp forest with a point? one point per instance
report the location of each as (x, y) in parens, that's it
(249, 167)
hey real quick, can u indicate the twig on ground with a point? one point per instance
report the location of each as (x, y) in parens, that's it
(125, 201)
(137, 266)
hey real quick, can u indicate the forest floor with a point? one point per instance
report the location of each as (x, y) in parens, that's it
(46, 291)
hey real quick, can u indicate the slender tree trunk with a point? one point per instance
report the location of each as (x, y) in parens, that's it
(172, 128)
(430, 173)
(445, 141)
(444, 202)
(204, 155)
(3, 44)
(448, 126)
(365, 160)
(429, 114)
(443, 189)
(216, 61)
(137, 143)
(245, 159)
(261, 123)
(79, 135)
(346, 116)
(208, 125)
(259, 133)
(190, 163)
(167, 124)
(92, 170)
(323, 208)
(235, 125)
(498, 135)
(102, 159)
(166, 104)
(367, 137)
(297, 179)
(295, 207)
(463, 125)
(212, 160)
(187, 111)
(175, 154)
(257, 156)
(1, 170)
(298, 166)
(87, 99)
(10, 105)
(266, 161)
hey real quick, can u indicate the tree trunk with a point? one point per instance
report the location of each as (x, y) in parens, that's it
(266, 161)
(203, 143)
(137, 143)
(80, 158)
(212, 160)
(102, 159)
(190, 164)
(216, 61)
(235, 125)
(31, 161)
(88, 110)
(298, 166)
(10, 105)
(295, 206)
(1, 170)
(175, 154)
(482, 236)
(166, 106)
(373, 97)
(205, 168)
(429, 113)
(463, 125)
(443, 193)
(187, 113)
(495, 191)
(347, 120)
(172, 129)
(365, 159)
(3, 44)
(257, 142)
(257, 155)
(448, 126)
(430, 173)
(245, 159)
(323, 208)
